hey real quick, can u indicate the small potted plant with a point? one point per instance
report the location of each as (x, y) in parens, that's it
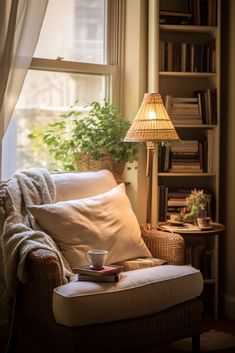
(91, 139)
(196, 204)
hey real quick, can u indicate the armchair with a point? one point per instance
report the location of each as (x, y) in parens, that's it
(37, 326)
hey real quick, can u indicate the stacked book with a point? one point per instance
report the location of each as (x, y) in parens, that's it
(110, 273)
(176, 200)
(186, 157)
(186, 111)
(171, 201)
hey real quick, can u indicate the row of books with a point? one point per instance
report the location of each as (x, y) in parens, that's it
(187, 57)
(204, 12)
(173, 200)
(192, 12)
(202, 109)
(187, 156)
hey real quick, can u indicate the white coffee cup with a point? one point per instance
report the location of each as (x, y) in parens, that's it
(96, 258)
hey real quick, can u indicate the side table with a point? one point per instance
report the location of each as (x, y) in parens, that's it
(202, 251)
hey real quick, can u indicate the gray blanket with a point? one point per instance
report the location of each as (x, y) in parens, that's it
(19, 234)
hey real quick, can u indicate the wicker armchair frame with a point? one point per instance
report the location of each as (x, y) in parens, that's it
(35, 329)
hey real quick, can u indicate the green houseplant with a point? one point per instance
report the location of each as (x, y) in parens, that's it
(85, 139)
(196, 204)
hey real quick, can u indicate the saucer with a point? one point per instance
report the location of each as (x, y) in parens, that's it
(205, 227)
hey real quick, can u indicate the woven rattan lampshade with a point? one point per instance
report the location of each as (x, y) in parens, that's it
(152, 122)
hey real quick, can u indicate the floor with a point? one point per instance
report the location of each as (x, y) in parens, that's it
(208, 323)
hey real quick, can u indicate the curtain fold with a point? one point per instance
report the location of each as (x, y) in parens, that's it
(21, 22)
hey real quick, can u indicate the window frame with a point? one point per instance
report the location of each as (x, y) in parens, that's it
(61, 65)
(113, 69)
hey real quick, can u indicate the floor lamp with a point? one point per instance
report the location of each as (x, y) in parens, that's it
(151, 124)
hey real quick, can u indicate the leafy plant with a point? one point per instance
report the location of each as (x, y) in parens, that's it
(97, 133)
(196, 202)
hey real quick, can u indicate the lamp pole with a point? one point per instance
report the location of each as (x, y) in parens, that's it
(149, 175)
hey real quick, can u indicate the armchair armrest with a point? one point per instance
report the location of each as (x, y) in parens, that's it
(164, 245)
(44, 274)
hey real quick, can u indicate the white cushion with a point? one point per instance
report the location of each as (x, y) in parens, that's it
(105, 221)
(138, 293)
(72, 186)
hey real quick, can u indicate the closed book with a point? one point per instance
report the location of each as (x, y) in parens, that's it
(162, 202)
(167, 158)
(170, 56)
(168, 102)
(176, 56)
(213, 106)
(183, 57)
(106, 270)
(162, 56)
(209, 151)
(104, 278)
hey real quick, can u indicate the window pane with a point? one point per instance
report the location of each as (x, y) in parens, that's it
(45, 95)
(77, 30)
(52, 89)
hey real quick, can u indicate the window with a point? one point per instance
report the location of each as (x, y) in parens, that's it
(74, 30)
(70, 63)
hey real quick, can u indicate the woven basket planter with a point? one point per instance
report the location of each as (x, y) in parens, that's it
(85, 163)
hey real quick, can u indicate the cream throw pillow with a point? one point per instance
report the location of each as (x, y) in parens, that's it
(105, 221)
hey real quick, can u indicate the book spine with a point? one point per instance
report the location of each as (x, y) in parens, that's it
(183, 57)
(170, 55)
(110, 278)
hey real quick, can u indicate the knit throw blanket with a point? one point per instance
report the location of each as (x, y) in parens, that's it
(19, 234)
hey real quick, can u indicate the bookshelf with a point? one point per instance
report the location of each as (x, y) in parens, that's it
(173, 72)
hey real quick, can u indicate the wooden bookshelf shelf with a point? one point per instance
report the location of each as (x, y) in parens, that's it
(188, 74)
(185, 174)
(191, 29)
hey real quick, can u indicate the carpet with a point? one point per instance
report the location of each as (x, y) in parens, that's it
(210, 341)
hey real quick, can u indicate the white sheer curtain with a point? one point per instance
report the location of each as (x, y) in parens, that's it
(20, 24)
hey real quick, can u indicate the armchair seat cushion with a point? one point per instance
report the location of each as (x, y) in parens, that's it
(138, 293)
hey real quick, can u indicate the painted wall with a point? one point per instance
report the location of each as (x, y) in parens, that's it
(227, 184)
(135, 85)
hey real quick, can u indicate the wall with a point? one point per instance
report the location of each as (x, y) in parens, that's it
(135, 85)
(227, 184)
